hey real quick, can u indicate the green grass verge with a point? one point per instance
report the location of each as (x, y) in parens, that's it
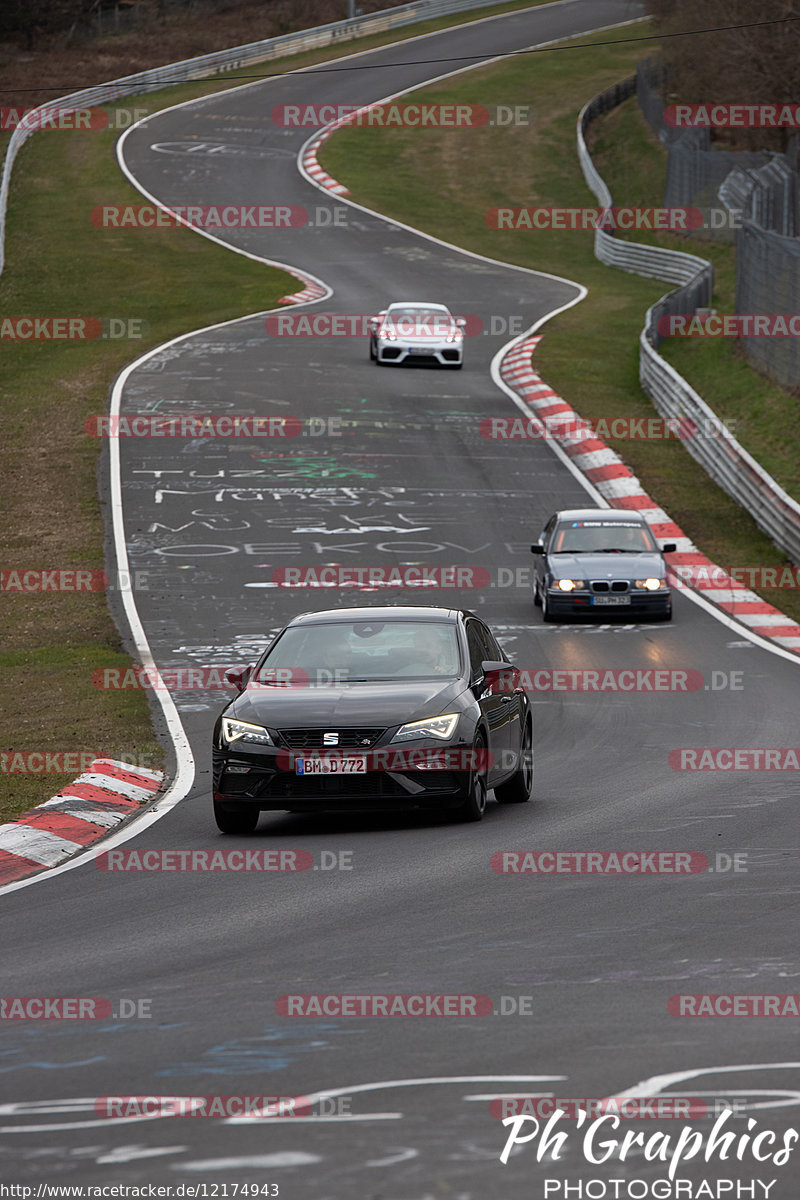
(445, 181)
(60, 265)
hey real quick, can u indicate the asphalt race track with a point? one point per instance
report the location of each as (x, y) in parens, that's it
(579, 967)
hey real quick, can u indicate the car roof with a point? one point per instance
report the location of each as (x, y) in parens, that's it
(387, 612)
(607, 514)
(428, 304)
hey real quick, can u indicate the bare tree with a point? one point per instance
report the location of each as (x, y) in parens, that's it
(757, 63)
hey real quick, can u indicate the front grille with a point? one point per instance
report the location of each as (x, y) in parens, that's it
(603, 585)
(313, 739)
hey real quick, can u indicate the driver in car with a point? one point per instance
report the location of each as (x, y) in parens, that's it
(429, 656)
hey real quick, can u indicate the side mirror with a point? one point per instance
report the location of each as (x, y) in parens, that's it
(669, 547)
(537, 548)
(461, 322)
(501, 677)
(238, 676)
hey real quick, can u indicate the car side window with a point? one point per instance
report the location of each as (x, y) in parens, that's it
(493, 650)
(476, 647)
(547, 533)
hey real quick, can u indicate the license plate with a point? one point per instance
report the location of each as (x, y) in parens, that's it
(611, 599)
(355, 765)
(421, 350)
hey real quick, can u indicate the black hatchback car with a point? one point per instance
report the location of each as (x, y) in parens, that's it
(374, 708)
(600, 560)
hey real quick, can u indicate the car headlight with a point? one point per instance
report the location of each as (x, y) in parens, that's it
(438, 727)
(388, 335)
(651, 585)
(243, 731)
(455, 336)
(568, 585)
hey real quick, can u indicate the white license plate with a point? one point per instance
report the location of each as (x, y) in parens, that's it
(421, 350)
(354, 765)
(611, 599)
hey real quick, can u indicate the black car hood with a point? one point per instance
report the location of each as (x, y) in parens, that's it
(607, 566)
(353, 704)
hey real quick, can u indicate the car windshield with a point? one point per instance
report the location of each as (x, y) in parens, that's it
(419, 321)
(361, 652)
(602, 537)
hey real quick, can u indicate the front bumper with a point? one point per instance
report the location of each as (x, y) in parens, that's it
(268, 782)
(445, 354)
(640, 603)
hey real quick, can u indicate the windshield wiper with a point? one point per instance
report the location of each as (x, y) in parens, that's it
(371, 679)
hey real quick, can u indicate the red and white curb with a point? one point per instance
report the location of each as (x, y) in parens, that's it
(617, 484)
(310, 163)
(312, 291)
(308, 157)
(316, 172)
(84, 811)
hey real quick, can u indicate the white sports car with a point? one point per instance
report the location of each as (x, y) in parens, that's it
(417, 332)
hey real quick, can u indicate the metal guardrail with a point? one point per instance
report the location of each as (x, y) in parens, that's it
(213, 64)
(725, 460)
(672, 265)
